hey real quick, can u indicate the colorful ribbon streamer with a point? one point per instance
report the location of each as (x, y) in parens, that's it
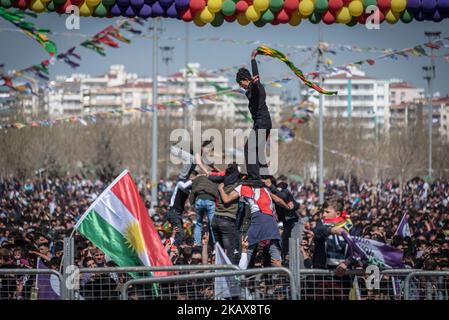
(38, 34)
(266, 51)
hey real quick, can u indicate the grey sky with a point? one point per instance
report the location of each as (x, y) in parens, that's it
(18, 51)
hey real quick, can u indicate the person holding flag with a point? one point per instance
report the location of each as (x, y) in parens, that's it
(256, 143)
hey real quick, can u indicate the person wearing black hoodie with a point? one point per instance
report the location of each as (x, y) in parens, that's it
(255, 92)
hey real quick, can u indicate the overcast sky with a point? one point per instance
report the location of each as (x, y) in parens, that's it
(18, 51)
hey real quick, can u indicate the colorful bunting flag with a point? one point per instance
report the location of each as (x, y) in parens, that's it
(279, 55)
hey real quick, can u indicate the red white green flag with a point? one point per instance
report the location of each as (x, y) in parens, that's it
(118, 223)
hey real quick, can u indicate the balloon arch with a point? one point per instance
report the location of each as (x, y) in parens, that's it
(258, 12)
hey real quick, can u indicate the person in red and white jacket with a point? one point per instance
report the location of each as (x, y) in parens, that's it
(263, 228)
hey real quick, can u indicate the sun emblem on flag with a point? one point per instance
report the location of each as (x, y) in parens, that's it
(134, 237)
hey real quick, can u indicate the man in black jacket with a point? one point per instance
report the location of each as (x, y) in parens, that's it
(255, 92)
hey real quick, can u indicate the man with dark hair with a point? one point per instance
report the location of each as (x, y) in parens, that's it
(263, 229)
(255, 92)
(331, 249)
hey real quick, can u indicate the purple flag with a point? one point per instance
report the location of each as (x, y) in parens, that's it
(374, 252)
(404, 228)
(47, 284)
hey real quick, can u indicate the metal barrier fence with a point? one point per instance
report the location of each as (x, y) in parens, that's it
(317, 284)
(207, 282)
(252, 284)
(106, 283)
(427, 285)
(31, 284)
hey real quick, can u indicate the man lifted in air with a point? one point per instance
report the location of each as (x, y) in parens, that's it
(255, 92)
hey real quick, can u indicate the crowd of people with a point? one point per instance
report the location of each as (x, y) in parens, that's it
(37, 214)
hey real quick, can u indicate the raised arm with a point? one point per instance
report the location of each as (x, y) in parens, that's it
(227, 197)
(279, 201)
(254, 63)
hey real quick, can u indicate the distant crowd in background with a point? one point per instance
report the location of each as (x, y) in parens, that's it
(36, 215)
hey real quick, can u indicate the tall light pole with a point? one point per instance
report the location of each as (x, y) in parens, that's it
(321, 134)
(154, 137)
(185, 111)
(429, 75)
(167, 57)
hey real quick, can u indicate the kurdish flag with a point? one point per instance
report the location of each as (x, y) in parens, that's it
(118, 223)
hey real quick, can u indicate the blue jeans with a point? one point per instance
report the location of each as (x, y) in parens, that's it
(203, 206)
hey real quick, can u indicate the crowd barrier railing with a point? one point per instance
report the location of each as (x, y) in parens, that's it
(31, 284)
(427, 285)
(253, 284)
(207, 282)
(319, 284)
(106, 283)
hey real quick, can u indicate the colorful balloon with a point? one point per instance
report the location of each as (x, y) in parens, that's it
(328, 17)
(384, 5)
(267, 16)
(218, 20)
(429, 6)
(335, 5)
(259, 23)
(241, 18)
(291, 5)
(261, 5)
(86, 11)
(276, 5)
(443, 6)
(207, 16)
(93, 3)
(37, 6)
(197, 21)
(145, 11)
(391, 17)
(228, 8)
(100, 11)
(367, 3)
(343, 16)
(282, 16)
(165, 3)
(181, 4)
(187, 15)
(197, 5)
(398, 6)
(306, 7)
(241, 7)
(315, 18)
(252, 14)
(230, 18)
(115, 10)
(295, 19)
(352, 23)
(214, 5)
(172, 12)
(321, 6)
(406, 16)
(356, 8)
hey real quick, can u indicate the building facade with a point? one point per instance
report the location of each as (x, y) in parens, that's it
(81, 94)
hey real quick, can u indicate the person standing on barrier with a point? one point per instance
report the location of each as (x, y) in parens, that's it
(263, 229)
(177, 204)
(203, 196)
(223, 224)
(256, 143)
